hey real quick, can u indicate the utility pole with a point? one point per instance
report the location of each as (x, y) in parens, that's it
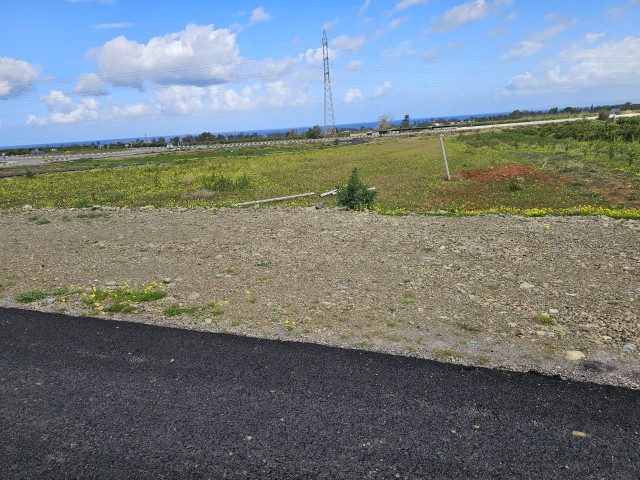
(329, 117)
(444, 157)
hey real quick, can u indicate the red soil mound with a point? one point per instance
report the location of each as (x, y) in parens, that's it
(504, 172)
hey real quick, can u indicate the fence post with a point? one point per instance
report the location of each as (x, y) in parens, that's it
(444, 157)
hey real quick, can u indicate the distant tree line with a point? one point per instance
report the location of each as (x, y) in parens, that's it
(384, 122)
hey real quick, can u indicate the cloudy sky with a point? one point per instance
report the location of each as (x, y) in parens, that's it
(74, 70)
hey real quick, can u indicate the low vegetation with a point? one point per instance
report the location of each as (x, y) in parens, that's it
(355, 195)
(577, 168)
(98, 300)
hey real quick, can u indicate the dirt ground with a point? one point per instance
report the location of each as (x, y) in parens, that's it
(504, 172)
(558, 295)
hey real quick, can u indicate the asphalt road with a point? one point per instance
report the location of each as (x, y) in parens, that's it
(92, 398)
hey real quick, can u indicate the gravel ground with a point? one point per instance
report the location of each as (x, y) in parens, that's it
(557, 295)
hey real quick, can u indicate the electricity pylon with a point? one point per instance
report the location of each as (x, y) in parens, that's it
(329, 117)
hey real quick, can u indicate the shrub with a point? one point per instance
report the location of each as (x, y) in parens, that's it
(355, 195)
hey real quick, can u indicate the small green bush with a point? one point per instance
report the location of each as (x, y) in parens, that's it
(355, 195)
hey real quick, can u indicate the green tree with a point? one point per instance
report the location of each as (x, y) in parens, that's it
(314, 132)
(405, 122)
(355, 195)
(603, 114)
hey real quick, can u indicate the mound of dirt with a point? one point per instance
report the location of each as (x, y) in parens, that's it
(505, 172)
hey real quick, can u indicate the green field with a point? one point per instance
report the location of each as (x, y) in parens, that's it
(583, 167)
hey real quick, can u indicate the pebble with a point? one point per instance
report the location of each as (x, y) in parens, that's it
(526, 286)
(629, 347)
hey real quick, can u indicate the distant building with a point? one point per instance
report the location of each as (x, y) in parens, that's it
(615, 111)
(37, 151)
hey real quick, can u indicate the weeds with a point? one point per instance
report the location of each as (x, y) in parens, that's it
(38, 220)
(262, 264)
(195, 311)
(99, 300)
(32, 296)
(446, 353)
(467, 327)
(515, 185)
(544, 319)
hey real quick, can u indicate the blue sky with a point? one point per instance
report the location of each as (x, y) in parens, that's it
(74, 70)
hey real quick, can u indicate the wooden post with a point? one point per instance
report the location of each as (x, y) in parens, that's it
(444, 157)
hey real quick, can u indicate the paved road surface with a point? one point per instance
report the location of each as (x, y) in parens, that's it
(92, 398)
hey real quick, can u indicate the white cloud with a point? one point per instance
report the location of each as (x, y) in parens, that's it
(353, 95)
(396, 22)
(314, 56)
(331, 24)
(105, 26)
(89, 84)
(87, 110)
(353, 66)
(404, 4)
(63, 111)
(391, 26)
(460, 14)
(182, 99)
(594, 37)
(279, 95)
(16, 77)
(402, 50)
(56, 100)
(533, 43)
(260, 15)
(617, 12)
(553, 30)
(365, 6)
(198, 55)
(525, 48)
(609, 65)
(434, 54)
(351, 44)
(382, 90)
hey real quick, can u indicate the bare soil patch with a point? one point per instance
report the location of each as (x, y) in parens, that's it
(556, 295)
(506, 172)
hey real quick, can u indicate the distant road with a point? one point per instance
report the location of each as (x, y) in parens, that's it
(94, 398)
(535, 122)
(29, 160)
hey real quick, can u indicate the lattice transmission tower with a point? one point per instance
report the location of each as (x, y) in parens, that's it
(329, 117)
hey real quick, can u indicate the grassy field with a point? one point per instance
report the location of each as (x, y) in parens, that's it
(566, 171)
